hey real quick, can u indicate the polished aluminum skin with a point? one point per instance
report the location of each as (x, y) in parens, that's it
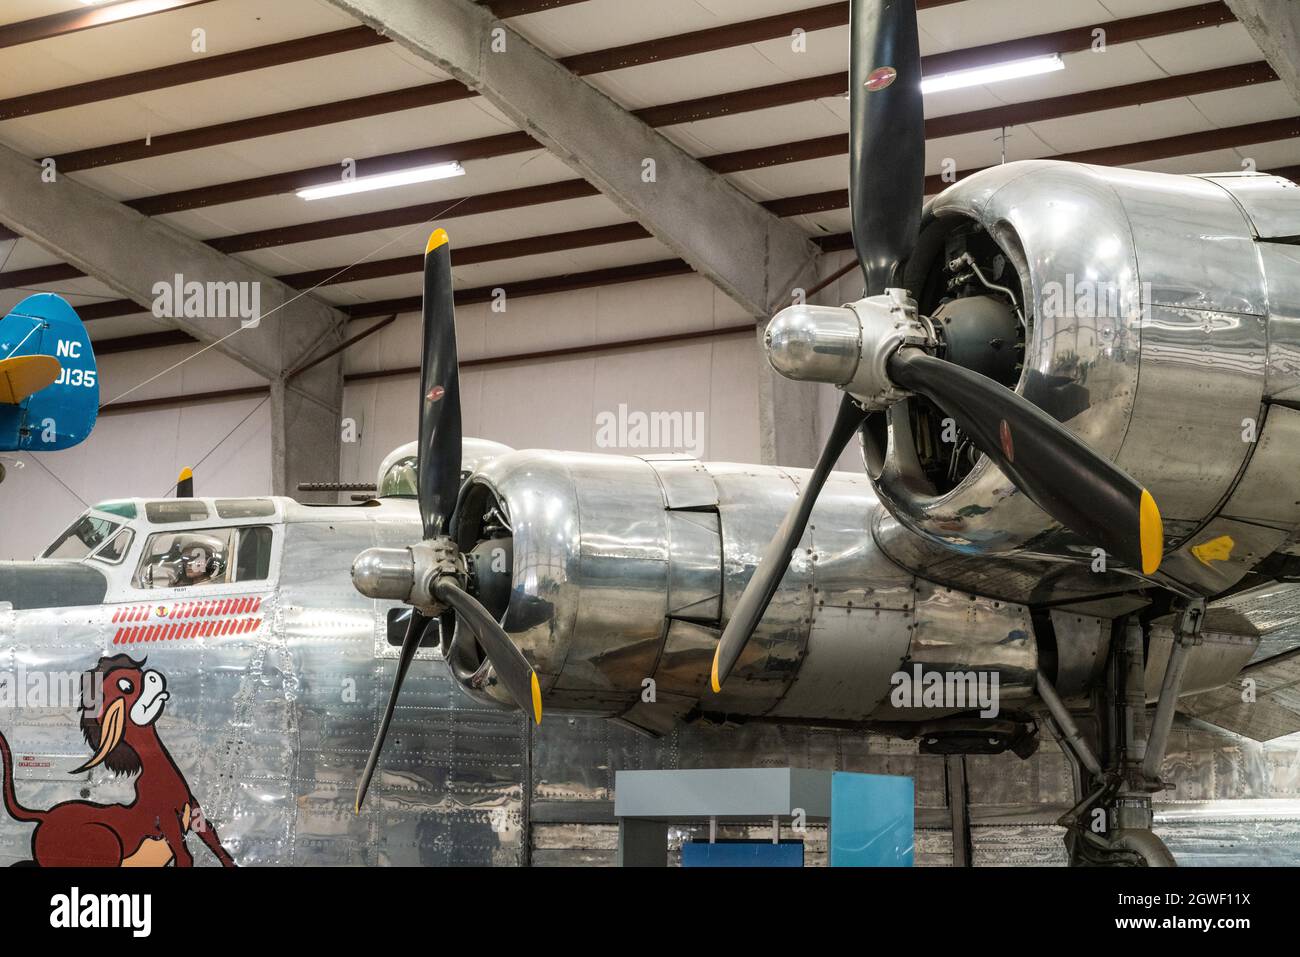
(1160, 318)
(623, 569)
(272, 725)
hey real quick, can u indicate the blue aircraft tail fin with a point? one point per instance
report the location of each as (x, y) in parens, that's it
(63, 412)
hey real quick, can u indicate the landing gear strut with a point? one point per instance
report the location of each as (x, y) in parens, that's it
(1115, 755)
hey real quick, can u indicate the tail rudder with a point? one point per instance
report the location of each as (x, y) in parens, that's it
(16, 810)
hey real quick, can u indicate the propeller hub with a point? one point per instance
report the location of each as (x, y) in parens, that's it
(848, 346)
(384, 573)
(435, 560)
(815, 343)
(409, 574)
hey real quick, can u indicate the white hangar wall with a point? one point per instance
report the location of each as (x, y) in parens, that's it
(562, 402)
(709, 384)
(540, 403)
(140, 452)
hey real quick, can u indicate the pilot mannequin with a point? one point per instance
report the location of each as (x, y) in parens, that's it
(191, 560)
(199, 567)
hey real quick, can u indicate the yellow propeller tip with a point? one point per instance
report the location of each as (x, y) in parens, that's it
(713, 678)
(537, 699)
(185, 474)
(436, 239)
(1151, 533)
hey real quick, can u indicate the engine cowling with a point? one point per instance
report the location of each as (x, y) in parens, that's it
(1157, 323)
(617, 571)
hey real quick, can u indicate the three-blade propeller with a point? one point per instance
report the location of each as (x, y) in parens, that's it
(438, 477)
(1079, 488)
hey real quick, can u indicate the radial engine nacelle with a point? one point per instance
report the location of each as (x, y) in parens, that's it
(1150, 313)
(614, 575)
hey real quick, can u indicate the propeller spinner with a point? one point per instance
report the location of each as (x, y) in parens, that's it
(432, 576)
(879, 351)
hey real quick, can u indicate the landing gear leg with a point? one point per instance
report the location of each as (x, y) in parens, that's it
(1116, 757)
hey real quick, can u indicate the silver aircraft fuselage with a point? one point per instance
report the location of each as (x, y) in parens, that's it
(622, 570)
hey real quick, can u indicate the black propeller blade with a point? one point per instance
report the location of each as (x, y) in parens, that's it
(440, 430)
(439, 461)
(410, 645)
(511, 666)
(776, 559)
(886, 186)
(1082, 490)
(1079, 488)
(886, 137)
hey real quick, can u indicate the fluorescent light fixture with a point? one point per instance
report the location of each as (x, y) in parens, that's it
(403, 177)
(1012, 70)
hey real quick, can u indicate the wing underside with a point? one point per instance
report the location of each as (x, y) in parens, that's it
(1263, 701)
(1274, 686)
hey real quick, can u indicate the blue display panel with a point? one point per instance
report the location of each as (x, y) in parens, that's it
(742, 854)
(872, 820)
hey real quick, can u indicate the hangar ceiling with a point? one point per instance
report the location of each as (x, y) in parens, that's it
(217, 143)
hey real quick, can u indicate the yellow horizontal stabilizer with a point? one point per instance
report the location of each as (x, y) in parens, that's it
(20, 376)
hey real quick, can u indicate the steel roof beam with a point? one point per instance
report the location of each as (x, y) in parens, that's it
(685, 111)
(353, 38)
(545, 285)
(131, 254)
(1275, 27)
(76, 20)
(1015, 114)
(429, 94)
(834, 145)
(227, 64)
(756, 258)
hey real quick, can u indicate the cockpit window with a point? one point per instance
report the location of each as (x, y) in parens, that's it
(208, 556)
(254, 554)
(245, 508)
(116, 549)
(400, 480)
(179, 559)
(84, 536)
(175, 510)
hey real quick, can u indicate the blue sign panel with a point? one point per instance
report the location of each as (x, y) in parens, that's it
(872, 820)
(742, 854)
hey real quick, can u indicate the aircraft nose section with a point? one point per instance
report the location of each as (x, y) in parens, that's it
(815, 343)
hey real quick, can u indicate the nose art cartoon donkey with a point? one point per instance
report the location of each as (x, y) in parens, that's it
(120, 726)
